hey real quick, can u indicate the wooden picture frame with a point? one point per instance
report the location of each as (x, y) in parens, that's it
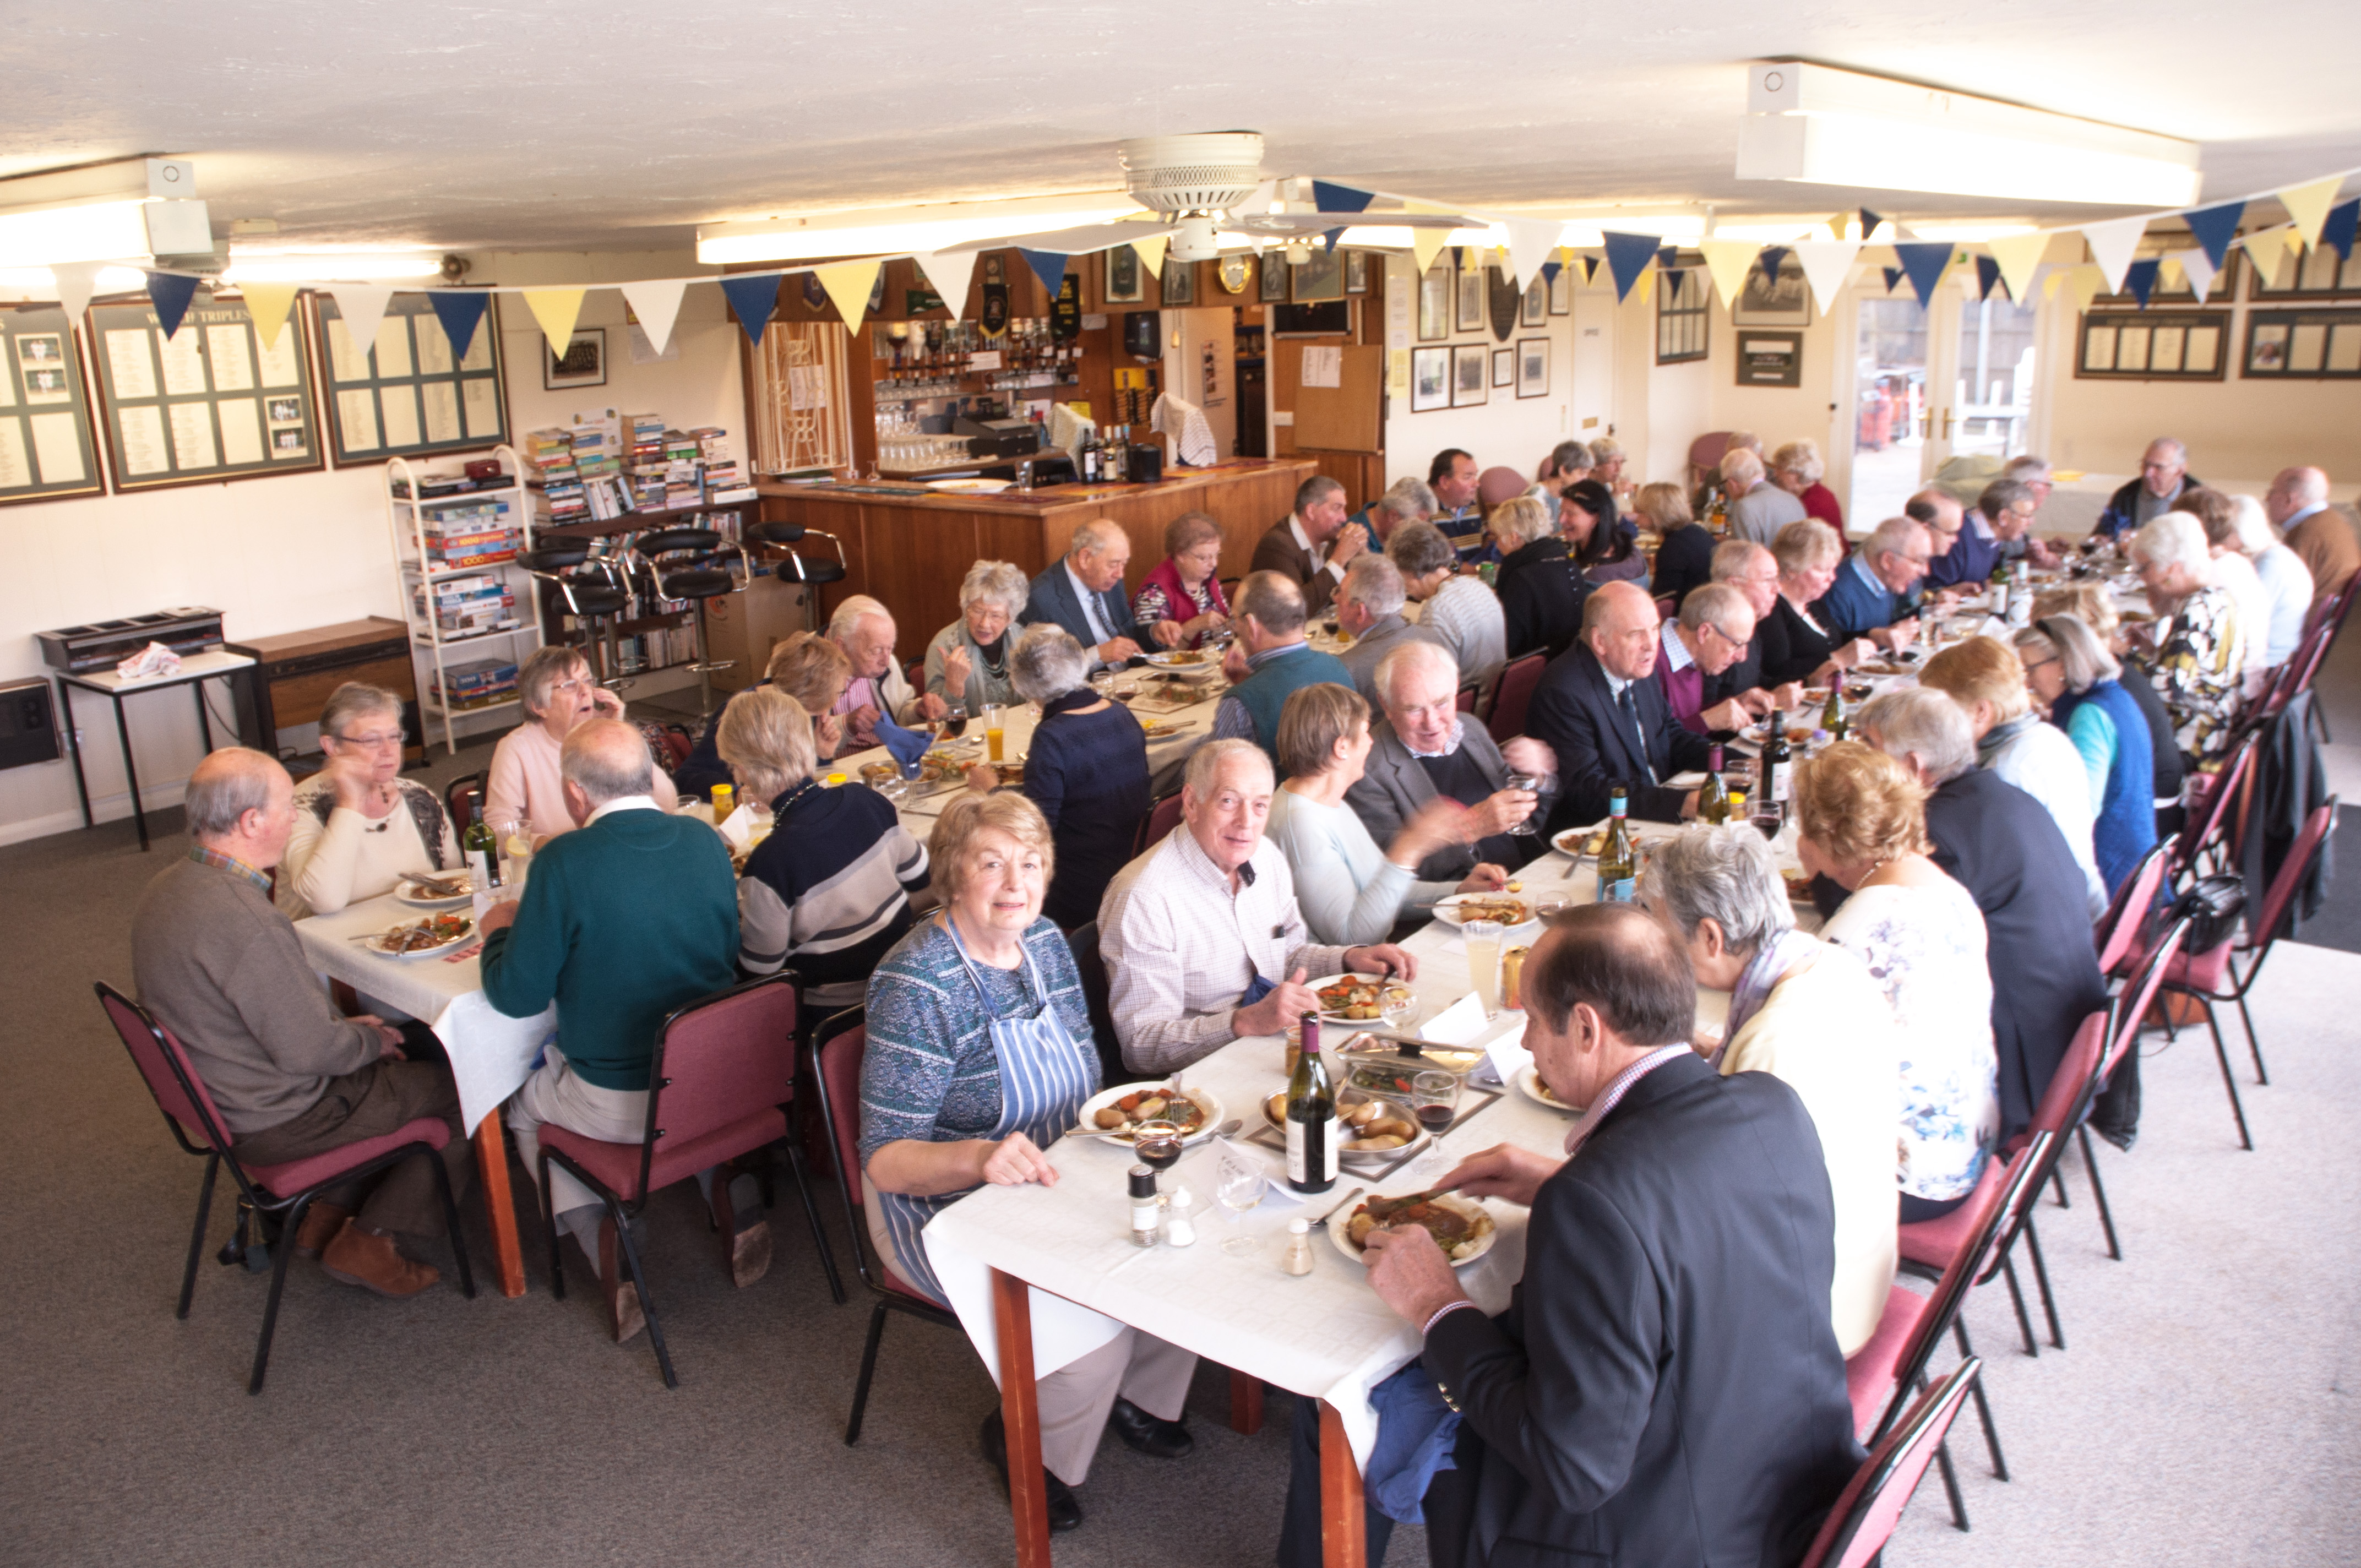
(2156, 345)
(1430, 379)
(1504, 366)
(1470, 374)
(2303, 345)
(1122, 284)
(191, 410)
(1561, 292)
(1357, 272)
(1434, 306)
(1766, 357)
(1470, 315)
(1784, 301)
(583, 364)
(1318, 278)
(1271, 279)
(49, 441)
(407, 395)
(1533, 309)
(1178, 282)
(1533, 367)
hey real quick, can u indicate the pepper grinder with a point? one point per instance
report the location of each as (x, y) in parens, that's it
(1145, 1210)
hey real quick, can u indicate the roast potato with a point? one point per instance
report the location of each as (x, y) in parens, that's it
(1109, 1117)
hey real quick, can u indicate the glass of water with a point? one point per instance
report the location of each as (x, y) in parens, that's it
(1239, 1190)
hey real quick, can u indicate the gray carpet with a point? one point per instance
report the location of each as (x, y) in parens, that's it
(2199, 1416)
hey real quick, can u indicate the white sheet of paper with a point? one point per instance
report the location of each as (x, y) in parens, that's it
(143, 440)
(57, 447)
(192, 437)
(241, 431)
(441, 410)
(345, 362)
(279, 362)
(483, 406)
(356, 418)
(1458, 1023)
(185, 364)
(1508, 1056)
(1323, 365)
(393, 350)
(127, 361)
(434, 347)
(233, 362)
(398, 407)
(7, 385)
(15, 472)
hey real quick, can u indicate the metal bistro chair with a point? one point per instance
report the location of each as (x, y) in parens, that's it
(1871, 1503)
(691, 564)
(2118, 931)
(2128, 1013)
(587, 586)
(811, 573)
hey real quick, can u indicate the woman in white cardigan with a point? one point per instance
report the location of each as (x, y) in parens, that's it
(1350, 892)
(359, 825)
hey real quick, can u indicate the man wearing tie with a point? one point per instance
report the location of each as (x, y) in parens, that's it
(1602, 711)
(1082, 591)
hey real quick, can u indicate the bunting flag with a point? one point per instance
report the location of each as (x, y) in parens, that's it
(170, 293)
(2270, 246)
(1870, 224)
(1425, 244)
(1047, 266)
(2018, 255)
(2140, 278)
(1531, 242)
(1827, 264)
(1773, 257)
(1727, 263)
(555, 309)
(2112, 245)
(1987, 274)
(2216, 227)
(2089, 280)
(1550, 269)
(2198, 268)
(1590, 268)
(2336, 231)
(1628, 256)
(848, 285)
(949, 272)
(657, 304)
(753, 296)
(1328, 238)
(1893, 276)
(2309, 205)
(78, 280)
(2049, 281)
(1667, 256)
(1648, 282)
(1330, 198)
(1150, 252)
(363, 306)
(2170, 274)
(1923, 262)
(267, 305)
(460, 311)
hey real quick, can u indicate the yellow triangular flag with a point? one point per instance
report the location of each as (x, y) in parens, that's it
(555, 310)
(2018, 255)
(1645, 286)
(2170, 275)
(2050, 285)
(2090, 281)
(1151, 253)
(848, 284)
(268, 304)
(2309, 205)
(1728, 261)
(2269, 247)
(1425, 244)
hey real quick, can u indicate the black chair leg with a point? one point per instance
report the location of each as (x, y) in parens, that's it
(868, 1371)
(549, 1227)
(811, 1212)
(2017, 1299)
(2254, 1042)
(2222, 1055)
(451, 1218)
(1983, 1406)
(197, 1233)
(270, 1307)
(640, 1283)
(2041, 1278)
(2099, 1190)
(2058, 1186)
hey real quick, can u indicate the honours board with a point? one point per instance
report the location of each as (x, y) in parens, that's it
(47, 448)
(211, 403)
(405, 394)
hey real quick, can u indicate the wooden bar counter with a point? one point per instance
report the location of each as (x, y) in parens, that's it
(909, 546)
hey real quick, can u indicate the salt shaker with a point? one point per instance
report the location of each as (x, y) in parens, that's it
(1145, 1210)
(1297, 1258)
(1180, 1217)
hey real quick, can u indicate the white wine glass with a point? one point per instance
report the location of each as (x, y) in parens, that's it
(1239, 1190)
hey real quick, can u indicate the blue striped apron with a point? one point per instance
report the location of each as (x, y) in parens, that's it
(1044, 1076)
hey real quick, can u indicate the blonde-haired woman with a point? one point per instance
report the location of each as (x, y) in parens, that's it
(1797, 645)
(1861, 821)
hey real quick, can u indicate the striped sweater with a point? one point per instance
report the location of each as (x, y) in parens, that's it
(828, 889)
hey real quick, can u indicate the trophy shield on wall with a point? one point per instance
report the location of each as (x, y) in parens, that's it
(1504, 298)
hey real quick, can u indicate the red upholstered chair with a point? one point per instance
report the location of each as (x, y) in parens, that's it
(836, 1071)
(1496, 485)
(2126, 1015)
(721, 1084)
(1870, 1505)
(1512, 694)
(2118, 931)
(2211, 811)
(463, 797)
(1466, 700)
(277, 1192)
(1162, 818)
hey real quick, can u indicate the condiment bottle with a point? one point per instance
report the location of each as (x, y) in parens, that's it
(1297, 1258)
(1180, 1217)
(1145, 1210)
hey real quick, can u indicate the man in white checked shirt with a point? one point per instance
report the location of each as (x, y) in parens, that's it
(1202, 941)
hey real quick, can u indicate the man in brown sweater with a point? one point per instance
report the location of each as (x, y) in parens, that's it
(220, 966)
(2297, 507)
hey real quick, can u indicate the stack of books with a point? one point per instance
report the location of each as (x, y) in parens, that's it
(465, 607)
(648, 464)
(479, 684)
(722, 481)
(472, 533)
(549, 454)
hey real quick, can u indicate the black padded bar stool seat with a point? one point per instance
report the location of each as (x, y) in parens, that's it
(813, 571)
(684, 563)
(591, 600)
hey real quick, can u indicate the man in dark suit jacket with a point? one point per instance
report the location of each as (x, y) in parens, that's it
(1602, 714)
(1423, 746)
(1082, 591)
(1665, 1386)
(1293, 546)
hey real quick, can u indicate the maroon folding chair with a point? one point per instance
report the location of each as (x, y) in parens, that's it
(721, 1084)
(2125, 1013)
(1158, 825)
(1466, 702)
(836, 1071)
(2221, 795)
(2118, 931)
(463, 797)
(282, 1193)
(1870, 1505)
(1512, 694)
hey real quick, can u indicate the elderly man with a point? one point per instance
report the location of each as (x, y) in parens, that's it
(1601, 711)
(1754, 571)
(1370, 610)
(1269, 661)
(1203, 940)
(1665, 1386)
(1453, 476)
(1715, 628)
(1963, 557)
(626, 919)
(1424, 747)
(2298, 506)
(1405, 501)
(2033, 474)
(864, 629)
(1758, 508)
(218, 965)
(2004, 512)
(1875, 594)
(1082, 591)
(2164, 479)
(1311, 547)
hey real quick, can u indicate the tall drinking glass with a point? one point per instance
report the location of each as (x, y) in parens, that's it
(1483, 939)
(995, 719)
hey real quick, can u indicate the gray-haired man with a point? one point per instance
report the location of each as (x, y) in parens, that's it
(1369, 611)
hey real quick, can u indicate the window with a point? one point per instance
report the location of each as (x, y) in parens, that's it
(1681, 315)
(2303, 345)
(2153, 345)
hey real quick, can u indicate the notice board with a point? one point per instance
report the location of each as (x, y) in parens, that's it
(47, 450)
(209, 404)
(405, 394)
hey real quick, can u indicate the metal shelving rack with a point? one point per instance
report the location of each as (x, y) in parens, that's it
(430, 651)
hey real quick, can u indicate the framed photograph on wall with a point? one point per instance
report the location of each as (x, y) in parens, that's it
(1430, 379)
(1504, 367)
(1763, 301)
(1561, 292)
(584, 363)
(1469, 365)
(1123, 270)
(1533, 367)
(1435, 307)
(1534, 308)
(1180, 283)
(1357, 272)
(1273, 291)
(1471, 299)
(1319, 278)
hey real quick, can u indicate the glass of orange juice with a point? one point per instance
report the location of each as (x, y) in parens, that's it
(995, 716)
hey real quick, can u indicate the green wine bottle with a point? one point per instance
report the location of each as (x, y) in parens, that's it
(1312, 1137)
(483, 854)
(1713, 796)
(1619, 860)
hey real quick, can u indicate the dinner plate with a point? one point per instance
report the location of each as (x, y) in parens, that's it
(1363, 1160)
(376, 944)
(1338, 1225)
(1528, 1083)
(1394, 1017)
(1570, 842)
(407, 892)
(1185, 659)
(1447, 909)
(1205, 1098)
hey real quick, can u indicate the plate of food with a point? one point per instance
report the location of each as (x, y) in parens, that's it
(438, 891)
(1530, 1084)
(1118, 1112)
(1376, 1130)
(1462, 1226)
(1799, 886)
(423, 938)
(1364, 999)
(1578, 842)
(1461, 908)
(1183, 659)
(1158, 728)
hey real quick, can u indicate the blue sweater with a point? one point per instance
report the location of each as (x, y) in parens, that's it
(1857, 603)
(1970, 559)
(2107, 727)
(1088, 773)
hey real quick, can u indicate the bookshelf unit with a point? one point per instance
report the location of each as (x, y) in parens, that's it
(460, 628)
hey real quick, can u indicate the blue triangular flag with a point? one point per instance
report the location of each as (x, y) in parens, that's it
(1893, 276)
(1458, 258)
(1628, 256)
(2140, 278)
(1667, 256)
(170, 293)
(1590, 269)
(1550, 269)
(1770, 258)
(459, 312)
(1923, 262)
(2337, 230)
(1049, 266)
(753, 296)
(1987, 274)
(1330, 198)
(1869, 222)
(2216, 227)
(1328, 241)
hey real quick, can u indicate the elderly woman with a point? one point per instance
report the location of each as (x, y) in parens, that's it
(979, 1056)
(2072, 674)
(1810, 1015)
(2287, 581)
(1983, 676)
(807, 666)
(1351, 892)
(1607, 464)
(1540, 589)
(558, 692)
(1605, 545)
(967, 663)
(1796, 468)
(359, 826)
(1796, 646)
(2231, 569)
(1460, 609)
(1861, 821)
(1186, 585)
(2089, 603)
(1684, 551)
(2200, 646)
(828, 890)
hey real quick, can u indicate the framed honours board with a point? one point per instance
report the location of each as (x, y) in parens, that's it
(405, 394)
(47, 448)
(208, 404)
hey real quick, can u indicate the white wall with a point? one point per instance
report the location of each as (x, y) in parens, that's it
(1506, 431)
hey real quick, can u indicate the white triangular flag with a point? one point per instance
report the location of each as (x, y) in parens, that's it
(363, 306)
(2111, 247)
(76, 282)
(657, 304)
(1530, 241)
(1728, 260)
(2271, 246)
(2198, 265)
(1826, 263)
(948, 273)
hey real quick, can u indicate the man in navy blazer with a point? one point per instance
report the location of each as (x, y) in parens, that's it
(1082, 591)
(1876, 592)
(1600, 709)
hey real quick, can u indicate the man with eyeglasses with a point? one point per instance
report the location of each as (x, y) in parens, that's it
(1601, 711)
(1874, 594)
(2164, 479)
(1754, 571)
(1714, 626)
(361, 826)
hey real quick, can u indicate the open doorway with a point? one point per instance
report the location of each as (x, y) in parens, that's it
(1889, 409)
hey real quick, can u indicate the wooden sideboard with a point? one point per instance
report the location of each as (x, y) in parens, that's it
(295, 671)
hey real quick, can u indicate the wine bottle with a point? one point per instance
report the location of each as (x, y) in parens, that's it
(1713, 796)
(1770, 787)
(1832, 717)
(1618, 863)
(483, 854)
(1312, 1137)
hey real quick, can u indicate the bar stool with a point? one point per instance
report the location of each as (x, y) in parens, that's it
(813, 573)
(688, 563)
(594, 601)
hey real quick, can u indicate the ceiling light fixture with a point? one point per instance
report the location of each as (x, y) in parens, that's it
(131, 209)
(874, 231)
(250, 265)
(1821, 125)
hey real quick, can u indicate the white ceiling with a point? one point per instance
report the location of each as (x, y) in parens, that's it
(594, 123)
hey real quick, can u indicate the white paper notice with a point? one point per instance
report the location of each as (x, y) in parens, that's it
(357, 417)
(1458, 1023)
(279, 362)
(399, 406)
(192, 437)
(57, 447)
(1323, 365)
(143, 442)
(393, 349)
(7, 385)
(435, 348)
(127, 362)
(483, 407)
(233, 365)
(184, 365)
(441, 410)
(15, 473)
(241, 430)
(344, 361)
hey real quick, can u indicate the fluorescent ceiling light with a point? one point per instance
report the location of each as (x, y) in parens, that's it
(1967, 234)
(38, 282)
(100, 231)
(890, 230)
(353, 267)
(1825, 126)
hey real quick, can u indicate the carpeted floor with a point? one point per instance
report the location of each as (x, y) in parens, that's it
(2201, 1416)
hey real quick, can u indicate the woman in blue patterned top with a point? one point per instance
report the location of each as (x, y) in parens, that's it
(978, 1056)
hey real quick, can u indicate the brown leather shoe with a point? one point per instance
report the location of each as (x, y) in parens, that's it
(745, 1243)
(624, 1318)
(362, 1258)
(321, 1223)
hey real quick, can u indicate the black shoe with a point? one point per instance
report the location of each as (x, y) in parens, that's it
(1144, 1433)
(1065, 1511)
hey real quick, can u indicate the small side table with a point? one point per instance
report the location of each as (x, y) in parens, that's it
(195, 670)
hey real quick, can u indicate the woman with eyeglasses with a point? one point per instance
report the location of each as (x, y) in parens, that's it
(558, 692)
(361, 826)
(2071, 673)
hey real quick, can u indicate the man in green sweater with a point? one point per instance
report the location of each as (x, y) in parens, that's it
(622, 921)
